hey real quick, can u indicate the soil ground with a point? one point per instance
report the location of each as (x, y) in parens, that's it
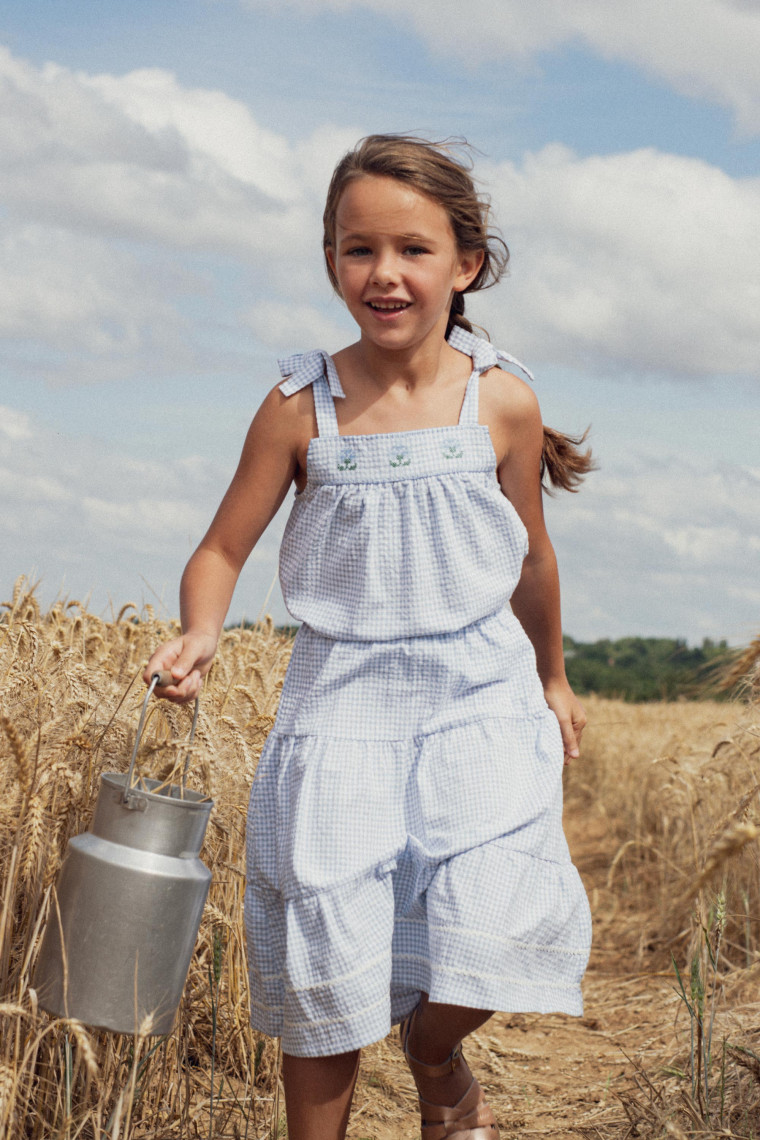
(549, 1075)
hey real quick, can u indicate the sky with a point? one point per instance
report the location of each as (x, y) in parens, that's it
(162, 180)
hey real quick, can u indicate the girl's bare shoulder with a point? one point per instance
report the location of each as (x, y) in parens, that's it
(508, 402)
(292, 416)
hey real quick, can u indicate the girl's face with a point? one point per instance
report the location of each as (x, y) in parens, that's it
(396, 261)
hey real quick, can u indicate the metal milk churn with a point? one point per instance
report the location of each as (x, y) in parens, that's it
(121, 932)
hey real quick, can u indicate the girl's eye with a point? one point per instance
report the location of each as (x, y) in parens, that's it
(415, 250)
(357, 251)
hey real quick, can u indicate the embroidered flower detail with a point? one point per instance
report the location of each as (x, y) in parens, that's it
(452, 451)
(347, 461)
(400, 459)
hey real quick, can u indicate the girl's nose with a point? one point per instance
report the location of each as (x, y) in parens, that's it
(384, 270)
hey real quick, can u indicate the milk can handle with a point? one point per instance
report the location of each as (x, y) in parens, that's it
(159, 679)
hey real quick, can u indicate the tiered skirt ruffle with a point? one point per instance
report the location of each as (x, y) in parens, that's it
(405, 834)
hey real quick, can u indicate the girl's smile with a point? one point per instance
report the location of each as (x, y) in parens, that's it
(396, 261)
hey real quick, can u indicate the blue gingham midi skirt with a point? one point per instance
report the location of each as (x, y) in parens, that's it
(405, 835)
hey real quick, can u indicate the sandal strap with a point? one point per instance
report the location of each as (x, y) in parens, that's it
(470, 1119)
(452, 1062)
(419, 1068)
(471, 1116)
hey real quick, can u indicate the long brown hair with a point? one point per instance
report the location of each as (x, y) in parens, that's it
(430, 168)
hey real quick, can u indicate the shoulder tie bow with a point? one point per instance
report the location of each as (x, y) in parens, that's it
(303, 368)
(484, 354)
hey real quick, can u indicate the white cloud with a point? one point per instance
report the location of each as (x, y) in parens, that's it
(215, 132)
(290, 327)
(17, 488)
(671, 542)
(129, 198)
(140, 157)
(14, 424)
(73, 292)
(703, 48)
(645, 260)
(97, 521)
(140, 213)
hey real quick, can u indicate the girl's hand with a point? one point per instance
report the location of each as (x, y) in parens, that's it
(188, 659)
(571, 716)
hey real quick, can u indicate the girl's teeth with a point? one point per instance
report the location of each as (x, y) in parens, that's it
(388, 308)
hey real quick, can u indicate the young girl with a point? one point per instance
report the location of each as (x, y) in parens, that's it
(406, 860)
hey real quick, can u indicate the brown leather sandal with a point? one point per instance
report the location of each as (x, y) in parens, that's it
(469, 1119)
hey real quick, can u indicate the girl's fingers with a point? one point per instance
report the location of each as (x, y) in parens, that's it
(179, 669)
(182, 690)
(570, 717)
(572, 732)
(163, 660)
(570, 741)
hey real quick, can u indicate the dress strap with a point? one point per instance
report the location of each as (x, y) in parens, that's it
(484, 356)
(469, 412)
(318, 369)
(324, 406)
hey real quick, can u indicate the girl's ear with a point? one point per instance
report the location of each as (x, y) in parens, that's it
(468, 268)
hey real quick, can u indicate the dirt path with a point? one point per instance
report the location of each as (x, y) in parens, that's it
(545, 1075)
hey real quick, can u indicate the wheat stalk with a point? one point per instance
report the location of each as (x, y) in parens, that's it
(733, 839)
(19, 752)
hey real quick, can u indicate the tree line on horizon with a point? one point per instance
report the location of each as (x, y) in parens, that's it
(647, 668)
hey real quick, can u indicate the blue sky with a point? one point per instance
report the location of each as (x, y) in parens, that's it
(163, 176)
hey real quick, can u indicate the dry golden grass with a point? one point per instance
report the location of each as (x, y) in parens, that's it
(668, 796)
(70, 697)
(663, 811)
(669, 793)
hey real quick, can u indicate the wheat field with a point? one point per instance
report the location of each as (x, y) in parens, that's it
(664, 817)
(71, 694)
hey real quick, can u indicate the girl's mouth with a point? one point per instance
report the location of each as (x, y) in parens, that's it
(388, 306)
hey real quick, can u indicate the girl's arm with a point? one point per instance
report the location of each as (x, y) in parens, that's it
(266, 469)
(536, 600)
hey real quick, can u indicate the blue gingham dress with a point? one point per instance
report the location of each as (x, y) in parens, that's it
(404, 830)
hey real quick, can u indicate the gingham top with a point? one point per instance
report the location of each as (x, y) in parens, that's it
(401, 534)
